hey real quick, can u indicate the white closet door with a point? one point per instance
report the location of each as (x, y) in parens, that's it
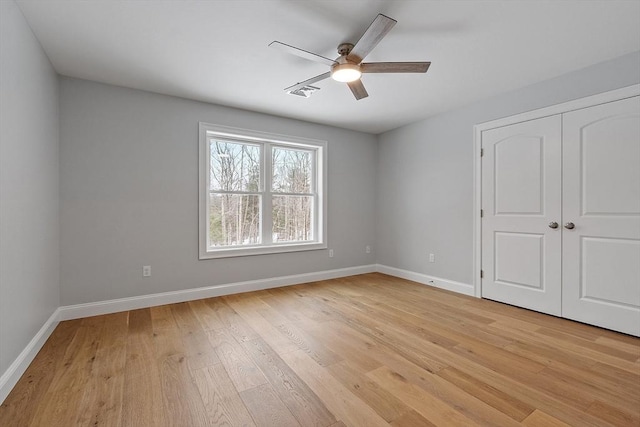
(601, 254)
(521, 199)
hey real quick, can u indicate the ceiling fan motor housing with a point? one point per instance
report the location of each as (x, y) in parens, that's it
(344, 70)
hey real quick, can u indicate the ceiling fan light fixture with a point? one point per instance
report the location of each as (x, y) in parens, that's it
(346, 72)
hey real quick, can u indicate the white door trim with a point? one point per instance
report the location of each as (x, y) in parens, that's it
(602, 98)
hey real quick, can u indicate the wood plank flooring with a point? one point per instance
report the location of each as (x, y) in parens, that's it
(368, 350)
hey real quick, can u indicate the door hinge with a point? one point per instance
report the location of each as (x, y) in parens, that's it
(481, 274)
(481, 152)
(481, 213)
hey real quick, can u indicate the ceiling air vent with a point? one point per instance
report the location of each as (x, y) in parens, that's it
(305, 91)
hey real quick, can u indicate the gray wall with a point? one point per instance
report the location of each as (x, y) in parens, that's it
(425, 172)
(129, 194)
(29, 261)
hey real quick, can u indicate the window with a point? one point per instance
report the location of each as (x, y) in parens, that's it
(260, 193)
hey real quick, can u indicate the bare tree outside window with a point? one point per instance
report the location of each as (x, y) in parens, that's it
(292, 209)
(234, 197)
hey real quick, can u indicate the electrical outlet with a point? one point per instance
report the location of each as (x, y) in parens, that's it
(330, 253)
(367, 249)
(432, 258)
(146, 271)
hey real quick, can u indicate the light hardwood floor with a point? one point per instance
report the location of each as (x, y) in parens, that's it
(367, 350)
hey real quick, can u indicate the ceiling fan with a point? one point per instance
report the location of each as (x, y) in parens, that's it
(348, 67)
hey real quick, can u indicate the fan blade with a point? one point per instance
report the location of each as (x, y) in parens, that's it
(394, 67)
(309, 81)
(370, 39)
(302, 53)
(358, 90)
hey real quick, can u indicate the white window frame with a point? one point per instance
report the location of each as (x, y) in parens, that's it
(267, 140)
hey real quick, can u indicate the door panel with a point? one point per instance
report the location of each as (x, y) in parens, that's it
(518, 190)
(601, 196)
(606, 261)
(510, 248)
(609, 165)
(521, 195)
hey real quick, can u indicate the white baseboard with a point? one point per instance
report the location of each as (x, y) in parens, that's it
(123, 304)
(11, 376)
(450, 285)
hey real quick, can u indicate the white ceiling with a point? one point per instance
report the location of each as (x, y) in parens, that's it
(216, 51)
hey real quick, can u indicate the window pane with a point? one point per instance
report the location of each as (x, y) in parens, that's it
(292, 218)
(234, 166)
(291, 171)
(234, 219)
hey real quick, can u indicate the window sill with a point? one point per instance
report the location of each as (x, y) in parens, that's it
(260, 250)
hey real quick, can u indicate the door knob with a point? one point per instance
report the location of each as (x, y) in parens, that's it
(553, 225)
(569, 226)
